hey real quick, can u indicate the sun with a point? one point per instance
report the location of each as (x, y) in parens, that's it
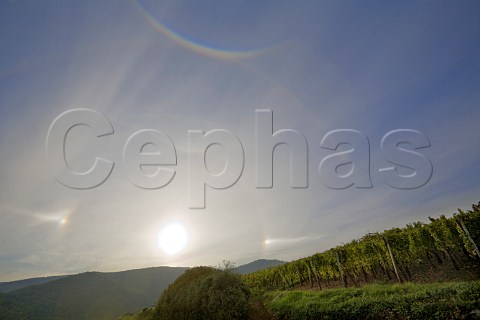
(173, 238)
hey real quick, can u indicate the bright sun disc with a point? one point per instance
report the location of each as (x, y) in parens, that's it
(173, 238)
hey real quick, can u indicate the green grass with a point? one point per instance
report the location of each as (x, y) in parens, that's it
(451, 300)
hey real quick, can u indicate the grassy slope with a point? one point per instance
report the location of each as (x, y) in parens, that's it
(450, 300)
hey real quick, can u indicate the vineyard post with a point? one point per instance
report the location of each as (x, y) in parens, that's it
(317, 277)
(391, 257)
(310, 279)
(340, 269)
(464, 228)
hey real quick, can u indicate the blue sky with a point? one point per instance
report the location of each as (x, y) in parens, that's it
(175, 66)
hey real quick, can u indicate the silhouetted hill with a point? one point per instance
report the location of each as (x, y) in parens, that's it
(91, 295)
(19, 284)
(258, 265)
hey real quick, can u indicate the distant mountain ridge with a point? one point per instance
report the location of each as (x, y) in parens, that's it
(19, 284)
(258, 265)
(253, 266)
(90, 295)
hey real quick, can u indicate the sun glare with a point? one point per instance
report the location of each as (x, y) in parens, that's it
(173, 238)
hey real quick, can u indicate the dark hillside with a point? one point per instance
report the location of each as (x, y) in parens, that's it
(20, 284)
(258, 265)
(91, 295)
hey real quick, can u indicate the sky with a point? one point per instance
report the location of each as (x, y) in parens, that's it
(189, 98)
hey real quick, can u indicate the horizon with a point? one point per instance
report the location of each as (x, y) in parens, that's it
(175, 133)
(136, 269)
(218, 264)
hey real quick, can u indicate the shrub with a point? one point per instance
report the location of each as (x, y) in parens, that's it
(204, 293)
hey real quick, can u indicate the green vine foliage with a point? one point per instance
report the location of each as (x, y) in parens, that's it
(440, 242)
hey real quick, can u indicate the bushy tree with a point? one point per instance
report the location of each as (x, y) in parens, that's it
(204, 293)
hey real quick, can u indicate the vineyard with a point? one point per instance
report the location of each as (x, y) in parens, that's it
(395, 255)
